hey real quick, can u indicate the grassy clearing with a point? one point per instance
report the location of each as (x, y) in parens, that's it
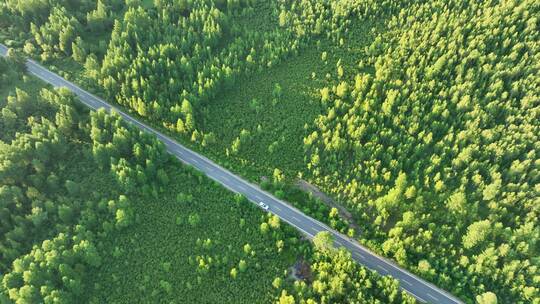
(183, 245)
(161, 255)
(277, 124)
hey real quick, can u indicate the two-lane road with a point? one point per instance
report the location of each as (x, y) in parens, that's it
(420, 289)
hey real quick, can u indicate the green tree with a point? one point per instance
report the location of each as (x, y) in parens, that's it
(323, 241)
(283, 18)
(277, 283)
(476, 233)
(234, 273)
(286, 299)
(242, 266)
(486, 298)
(79, 53)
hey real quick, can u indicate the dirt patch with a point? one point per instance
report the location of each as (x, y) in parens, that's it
(301, 271)
(343, 213)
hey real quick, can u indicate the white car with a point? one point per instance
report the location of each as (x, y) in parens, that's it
(264, 206)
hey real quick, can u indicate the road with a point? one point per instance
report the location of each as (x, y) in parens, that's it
(420, 289)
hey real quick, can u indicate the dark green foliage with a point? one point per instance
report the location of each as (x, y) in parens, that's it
(192, 247)
(49, 205)
(10, 71)
(161, 58)
(420, 117)
(85, 218)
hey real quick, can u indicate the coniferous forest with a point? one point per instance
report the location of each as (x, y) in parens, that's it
(419, 121)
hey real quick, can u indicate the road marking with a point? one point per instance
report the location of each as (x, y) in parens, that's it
(301, 230)
(294, 217)
(406, 282)
(432, 296)
(277, 208)
(226, 178)
(224, 185)
(258, 197)
(418, 297)
(381, 267)
(423, 282)
(359, 254)
(58, 79)
(193, 160)
(241, 187)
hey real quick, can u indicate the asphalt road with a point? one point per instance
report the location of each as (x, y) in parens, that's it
(420, 289)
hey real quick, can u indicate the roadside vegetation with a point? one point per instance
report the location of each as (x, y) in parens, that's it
(419, 117)
(95, 211)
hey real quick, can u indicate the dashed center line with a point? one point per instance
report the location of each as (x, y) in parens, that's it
(382, 268)
(94, 102)
(406, 282)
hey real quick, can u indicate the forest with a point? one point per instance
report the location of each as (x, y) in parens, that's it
(420, 118)
(95, 211)
(439, 158)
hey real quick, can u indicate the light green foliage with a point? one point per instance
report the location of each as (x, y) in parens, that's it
(454, 114)
(78, 50)
(323, 241)
(335, 278)
(277, 283)
(476, 233)
(57, 35)
(486, 298)
(285, 298)
(420, 117)
(193, 64)
(98, 19)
